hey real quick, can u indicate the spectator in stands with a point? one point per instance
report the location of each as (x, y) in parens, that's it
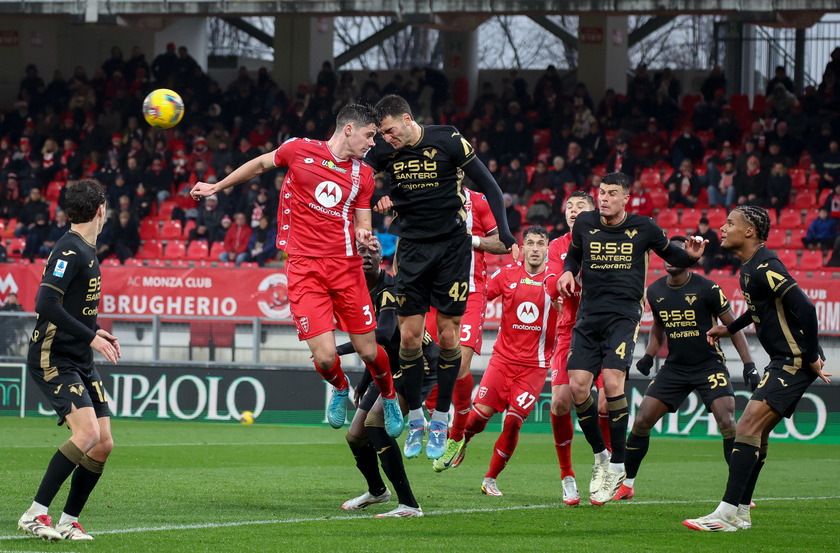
(11, 327)
(641, 84)
(767, 120)
(158, 181)
(165, 66)
(583, 119)
(125, 240)
(514, 180)
(495, 170)
(560, 179)
(36, 235)
(722, 192)
(778, 187)
(594, 144)
(827, 94)
(126, 205)
(262, 245)
(781, 101)
(821, 233)
(208, 221)
(135, 62)
(715, 81)
(640, 201)
(683, 186)
(609, 111)
(751, 186)
(559, 144)
(798, 124)
(236, 240)
(539, 181)
(10, 203)
(118, 189)
(386, 239)
(514, 217)
(668, 83)
(33, 207)
(622, 160)
(726, 128)
(31, 83)
(71, 159)
(780, 78)
(832, 204)
(105, 238)
(687, 146)
(649, 145)
(576, 163)
(58, 229)
(820, 143)
(828, 165)
(774, 155)
(711, 257)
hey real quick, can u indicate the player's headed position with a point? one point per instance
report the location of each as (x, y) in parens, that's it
(355, 124)
(396, 123)
(746, 226)
(613, 195)
(84, 199)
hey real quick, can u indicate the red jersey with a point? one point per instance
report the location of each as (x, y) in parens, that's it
(557, 250)
(480, 222)
(318, 199)
(529, 323)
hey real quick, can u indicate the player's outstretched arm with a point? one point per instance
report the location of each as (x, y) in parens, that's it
(247, 171)
(384, 205)
(492, 244)
(482, 178)
(678, 257)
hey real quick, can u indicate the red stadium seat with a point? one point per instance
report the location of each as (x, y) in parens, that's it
(165, 210)
(717, 217)
(111, 262)
(797, 178)
(656, 262)
(659, 198)
(788, 257)
(690, 218)
(16, 247)
(777, 239)
(759, 101)
(171, 230)
(809, 218)
(812, 260)
(774, 218)
(197, 250)
(791, 218)
(650, 178)
(667, 218)
(805, 199)
(188, 227)
(149, 230)
(216, 250)
(151, 249)
(175, 249)
(823, 196)
(795, 239)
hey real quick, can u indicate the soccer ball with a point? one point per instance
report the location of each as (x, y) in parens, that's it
(247, 417)
(163, 108)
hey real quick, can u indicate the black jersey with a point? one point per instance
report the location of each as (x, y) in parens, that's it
(764, 282)
(614, 262)
(73, 272)
(688, 312)
(426, 182)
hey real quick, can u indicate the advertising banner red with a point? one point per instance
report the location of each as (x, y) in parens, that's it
(226, 292)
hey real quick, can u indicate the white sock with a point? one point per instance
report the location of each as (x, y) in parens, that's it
(415, 414)
(440, 416)
(727, 511)
(67, 520)
(629, 482)
(602, 456)
(36, 510)
(743, 510)
(617, 467)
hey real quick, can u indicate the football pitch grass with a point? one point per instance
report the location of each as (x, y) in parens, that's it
(222, 487)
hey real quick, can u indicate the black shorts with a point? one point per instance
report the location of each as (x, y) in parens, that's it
(782, 390)
(372, 392)
(82, 387)
(673, 384)
(602, 341)
(432, 273)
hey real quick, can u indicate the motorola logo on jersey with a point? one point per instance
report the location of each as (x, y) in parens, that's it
(328, 194)
(527, 312)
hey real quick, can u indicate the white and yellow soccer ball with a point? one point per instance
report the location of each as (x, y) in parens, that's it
(247, 417)
(163, 108)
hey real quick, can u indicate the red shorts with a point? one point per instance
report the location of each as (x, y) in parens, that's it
(514, 387)
(559, 374)
(330, 292)
(472, 323)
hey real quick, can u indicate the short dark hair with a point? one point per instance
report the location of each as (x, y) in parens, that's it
(757, 218)
(392, 105)
(582, 194)
(618, 178)
(83, 200)
(359, 115)
(539, 230)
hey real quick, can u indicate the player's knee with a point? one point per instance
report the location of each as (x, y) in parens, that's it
(560, 405)
(374, 420)
(86, 436)
(104, 446)
(356, 441)
(514, 421)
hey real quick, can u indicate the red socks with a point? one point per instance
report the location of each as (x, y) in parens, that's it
(380, 369)
(604, 423)
(503, 450)
(334, 375)
(462, 401)
(563, 430)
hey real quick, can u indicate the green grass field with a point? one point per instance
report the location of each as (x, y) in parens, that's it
(216, 487)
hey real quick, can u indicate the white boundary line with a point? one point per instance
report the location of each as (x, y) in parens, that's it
(211, 525)
(196, 444)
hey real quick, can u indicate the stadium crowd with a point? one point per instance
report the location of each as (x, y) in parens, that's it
(692, 156)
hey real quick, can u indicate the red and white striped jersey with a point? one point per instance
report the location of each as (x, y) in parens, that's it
(318, 200)
(557, 250)
(480, 222)
(529, 323)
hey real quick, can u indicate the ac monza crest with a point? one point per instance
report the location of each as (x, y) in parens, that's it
(482, 392)
(304, 324)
